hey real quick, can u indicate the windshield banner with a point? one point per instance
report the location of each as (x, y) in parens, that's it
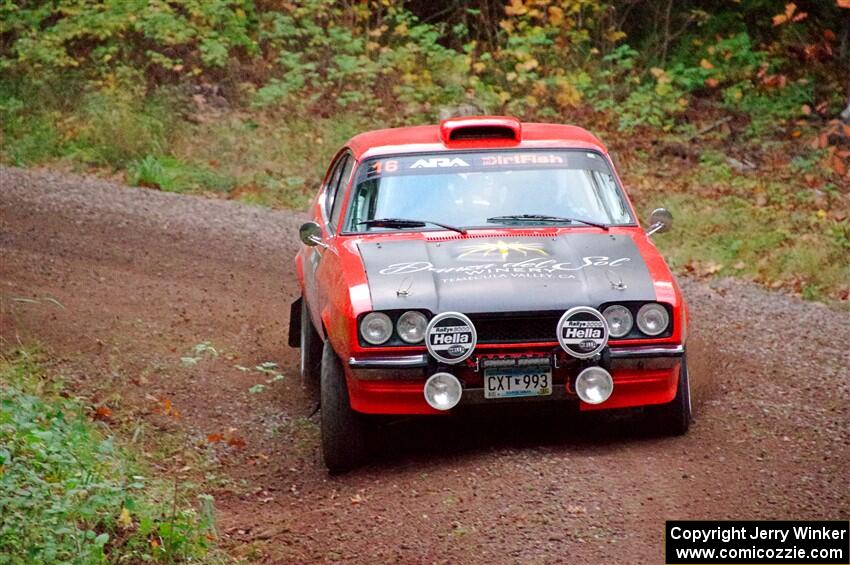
(467, 162)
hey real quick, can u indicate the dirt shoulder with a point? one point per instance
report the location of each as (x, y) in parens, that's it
(121, 284)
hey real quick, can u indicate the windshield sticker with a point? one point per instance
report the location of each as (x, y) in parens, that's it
(523, 159)
(452, 163)
(438, 162)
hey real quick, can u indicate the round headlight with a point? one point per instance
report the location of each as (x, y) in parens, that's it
(442, 391)
(376, 328)
(411, 326)
(619, 320)
(652, 319)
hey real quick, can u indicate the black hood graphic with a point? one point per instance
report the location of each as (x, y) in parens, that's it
(506, 274)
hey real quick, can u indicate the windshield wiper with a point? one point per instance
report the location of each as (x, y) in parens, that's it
(542, 218)
(400, 223)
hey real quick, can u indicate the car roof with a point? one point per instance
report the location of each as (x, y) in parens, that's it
(437, 138)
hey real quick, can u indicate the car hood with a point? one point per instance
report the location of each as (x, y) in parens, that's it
(505, 274)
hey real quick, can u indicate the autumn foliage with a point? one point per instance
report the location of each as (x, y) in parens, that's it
(192, 96)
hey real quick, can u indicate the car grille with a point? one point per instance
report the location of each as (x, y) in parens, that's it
(516, 328)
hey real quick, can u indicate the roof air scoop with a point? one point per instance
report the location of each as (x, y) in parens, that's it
(480, 128)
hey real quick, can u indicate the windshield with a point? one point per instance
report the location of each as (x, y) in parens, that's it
(465, 189)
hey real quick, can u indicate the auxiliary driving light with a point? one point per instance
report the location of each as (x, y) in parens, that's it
(442, 391)
(594, 385)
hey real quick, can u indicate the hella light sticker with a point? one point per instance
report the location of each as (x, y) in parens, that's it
(582, 332)
(450, 337)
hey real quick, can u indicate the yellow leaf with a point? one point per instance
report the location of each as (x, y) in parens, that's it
(614, 35)
(539, 88)
(516, 8)
(788, 16)
(378, 31)
(712, 267)
(124, 520)
(527, 66)
(706, 64)
(821, 214)
(556, 15)
(568, 95)
(507, 25)
(657, 72)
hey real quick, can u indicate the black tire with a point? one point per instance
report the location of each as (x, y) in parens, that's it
(311, 350)
(674, 418)
(344, 444)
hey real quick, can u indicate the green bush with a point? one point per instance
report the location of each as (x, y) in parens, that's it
(172, 175)
(69, 494)
(176, 37)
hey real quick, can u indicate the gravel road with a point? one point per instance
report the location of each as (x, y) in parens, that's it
(121, 283)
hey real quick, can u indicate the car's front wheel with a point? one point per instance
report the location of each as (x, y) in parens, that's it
(343, 430)
(674, 418)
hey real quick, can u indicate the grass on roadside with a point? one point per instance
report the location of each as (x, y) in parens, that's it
(70, 493)
(730, 236)
(769, 227)
(276, 159)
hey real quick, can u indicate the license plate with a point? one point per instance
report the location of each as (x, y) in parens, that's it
(517, 382)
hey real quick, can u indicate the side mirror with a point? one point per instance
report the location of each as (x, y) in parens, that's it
(660, 221)
(311, 234)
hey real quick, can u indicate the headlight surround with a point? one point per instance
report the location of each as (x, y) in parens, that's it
(653, 319)
(376, 328)
(620, 320)
(411, 326)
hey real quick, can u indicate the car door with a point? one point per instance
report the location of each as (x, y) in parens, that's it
(319, 272)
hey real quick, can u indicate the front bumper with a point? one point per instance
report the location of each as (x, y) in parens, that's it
(643, 375)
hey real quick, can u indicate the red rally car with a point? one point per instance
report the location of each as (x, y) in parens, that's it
(483, 260)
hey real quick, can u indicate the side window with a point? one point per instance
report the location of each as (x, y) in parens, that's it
(331, 187)
(336, 208)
